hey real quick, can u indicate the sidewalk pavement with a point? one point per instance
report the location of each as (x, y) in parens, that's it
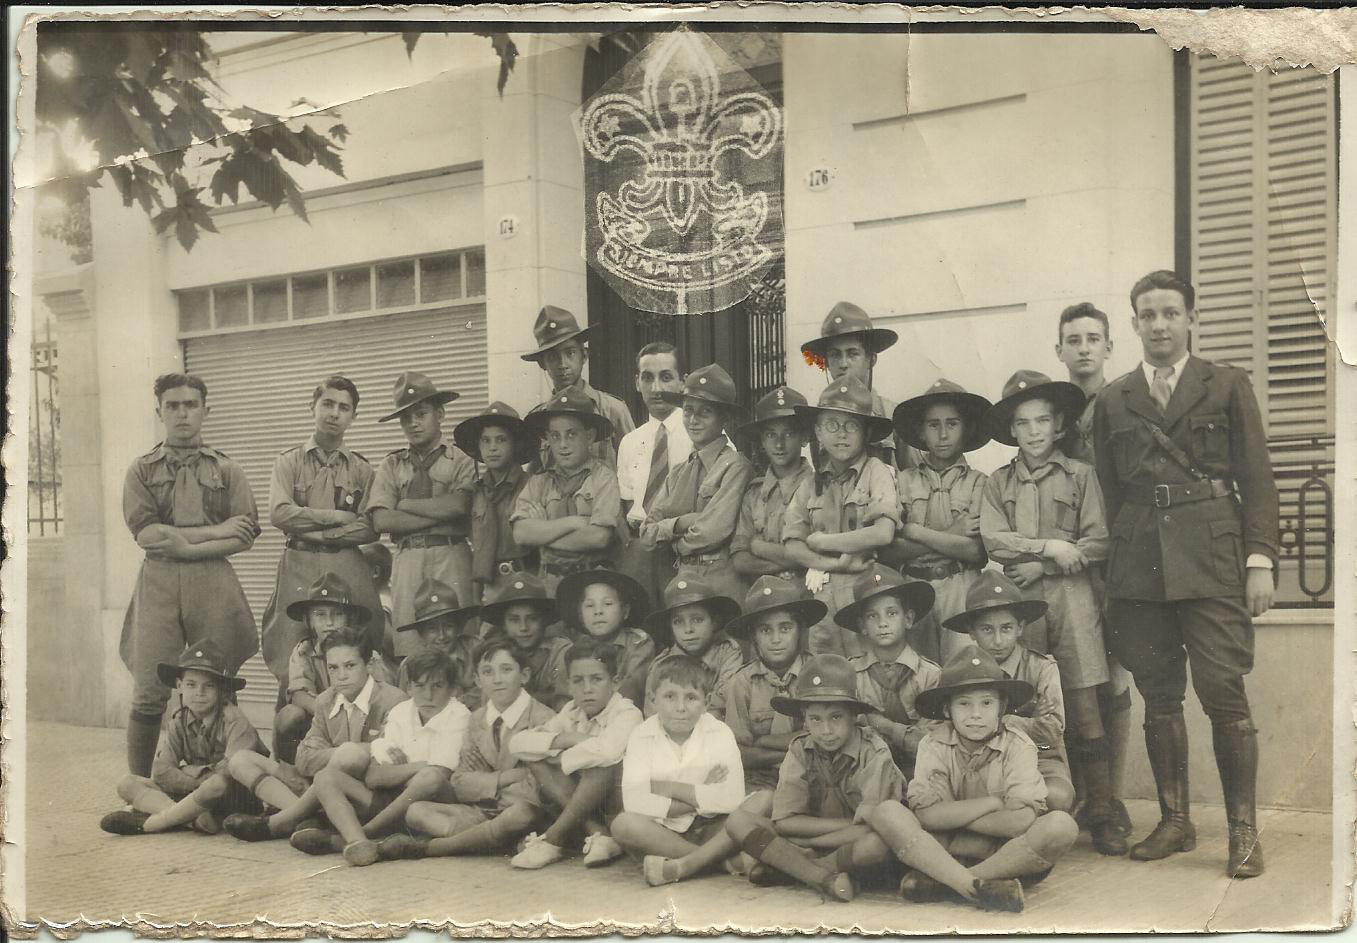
(75, 872)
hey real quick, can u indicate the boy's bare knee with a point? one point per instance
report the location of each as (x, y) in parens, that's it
(245, 766)
(352, 758)
(1059, 795)
(427, 782)
(291, 721)
(623, 826)
(759, 803)
(212, 788)
(1053, 834)
(892, 812)
(743, 821)
(130, 786)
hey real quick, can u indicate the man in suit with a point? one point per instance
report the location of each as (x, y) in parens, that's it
(1182, 458)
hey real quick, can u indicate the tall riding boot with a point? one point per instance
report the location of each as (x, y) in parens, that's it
(1236, 745)
(1102, 826)
(1166, 744)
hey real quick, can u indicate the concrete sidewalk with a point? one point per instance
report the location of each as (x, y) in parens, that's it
(75, 872)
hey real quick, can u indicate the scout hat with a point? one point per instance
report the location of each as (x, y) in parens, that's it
(571, 591)
(781, 403)
(434, 599)
(917, 595)
(974, 411)
(993, 590)
(412, 387)
(684, 591)
(972, 667)
(513, 588)
(824, 679)
(203, 655)
(329, 589)
(467, 433)
(568, 402)
(554, 327)
(847, 318)
(848, 396)
(710, 384)
(1029, 384)
(770, 593)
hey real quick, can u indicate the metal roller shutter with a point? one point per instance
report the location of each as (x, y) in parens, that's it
(259, 387)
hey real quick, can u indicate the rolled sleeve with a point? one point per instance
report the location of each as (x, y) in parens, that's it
(239, 497)
(139, 507)
(300, 673)
(607, 509)
(1093, 537)
(529, 505)
(883, 501)
(797, 525)
(1022, 779)
(384, 494)
(738, 692)
(743, 538)
(931, 783)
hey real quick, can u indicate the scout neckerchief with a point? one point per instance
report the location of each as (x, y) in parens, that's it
(200, 740)
(781, 686)
(568, 485)
(421, 483)
(941, 508)
(483, 563)
(891, 677)
(331, 479)
(1027, 507)
(188, 491)
(826, 776)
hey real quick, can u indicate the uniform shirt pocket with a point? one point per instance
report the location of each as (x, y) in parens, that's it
(1065, 502)
(761, 722)
(1211, 440)
(1227, 551)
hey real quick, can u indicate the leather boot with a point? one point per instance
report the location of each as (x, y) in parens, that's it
(1236, 746)
(779, 853)
(1166, 744)
(1097, 777)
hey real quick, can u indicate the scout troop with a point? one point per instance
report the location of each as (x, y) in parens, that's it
(833, 672)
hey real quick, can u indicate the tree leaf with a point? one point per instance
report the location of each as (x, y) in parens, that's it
(325, 152)
(226, 182)
(507, 52)
(339, 132)
(411, 38)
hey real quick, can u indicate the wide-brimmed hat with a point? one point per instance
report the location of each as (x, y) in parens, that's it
(412, 388)
(554, 327)
(515, 588)
(710, 384)
(436, 599)
(972, 667)
(993, 590)
(848, 396)
(916, 595)
(683, 591)
(203, 655)
(329, 589)
(1030, 384)
(847, 318)
(824, 679)
(781, 403)
(569, 402)
(467, 433)
(973, 407)
(571, 591)
(771, 593)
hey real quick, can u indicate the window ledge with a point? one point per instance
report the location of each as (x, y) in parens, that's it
(1287, 617)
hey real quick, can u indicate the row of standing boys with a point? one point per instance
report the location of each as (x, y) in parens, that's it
(830, 685)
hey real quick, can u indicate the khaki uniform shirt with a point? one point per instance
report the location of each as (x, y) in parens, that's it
(453, 471)
(750, 714)
(547, 496)
(763, 510)
(711, 484)
(1006, 767)
(309, 486)
(834, 785)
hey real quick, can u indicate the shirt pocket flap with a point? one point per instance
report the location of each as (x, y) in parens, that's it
(1210, 423)
(1225, 527)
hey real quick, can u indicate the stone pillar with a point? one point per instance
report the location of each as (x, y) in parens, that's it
(533, 172)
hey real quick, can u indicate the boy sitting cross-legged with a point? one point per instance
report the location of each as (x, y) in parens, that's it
(576, 759)
(188, 783)
(601, 604)
(977, 814)
(519, 608)
(349, 715)
(681, 777)
(495, 799)
(693, 620)
(832, 770)
(443, 624)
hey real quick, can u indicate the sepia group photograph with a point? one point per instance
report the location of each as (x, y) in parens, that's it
(549, 470)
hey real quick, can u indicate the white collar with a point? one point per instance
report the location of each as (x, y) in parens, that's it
(1174, 377)
(363, 701)
(512, 713)
(440, 720)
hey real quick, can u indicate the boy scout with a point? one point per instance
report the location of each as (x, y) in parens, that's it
(699, 503)
(189, 507)
(519, 608)
(500, 441)
(562, 355)
(1183, 460)
(849, 345)
(315, 498)
(776, 432)
(421, 496)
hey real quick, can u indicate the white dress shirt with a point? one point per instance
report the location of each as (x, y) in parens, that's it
(510, 713)
(437, 742)
(633, 459)
(363, 701)
(651, 754)
(609, 731)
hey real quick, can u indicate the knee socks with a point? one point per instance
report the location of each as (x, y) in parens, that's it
(763, 844)
(1014, 859)
(143, 734)
(479, 839)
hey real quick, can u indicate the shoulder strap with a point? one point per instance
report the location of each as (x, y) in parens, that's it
(1168, 445)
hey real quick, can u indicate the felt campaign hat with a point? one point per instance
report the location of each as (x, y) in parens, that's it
(467, 433)
(781, 403)
(771, 593)
(973, 407)
(571, 591)
(1031, 384)
(568, 402)
(412, 388)
(515, 588)
(916, 595)
(554, 327)
(993, 590)
(847, 318)
(968, 669)
(711, 384)
(683, 591)
(824, 679)
(329, 589)
(203, 655)
(436, 599)
(848, 396)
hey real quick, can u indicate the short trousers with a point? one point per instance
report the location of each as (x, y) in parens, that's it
(237, 799)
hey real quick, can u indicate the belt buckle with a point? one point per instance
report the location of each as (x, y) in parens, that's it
(1162, 498)
(505, 567)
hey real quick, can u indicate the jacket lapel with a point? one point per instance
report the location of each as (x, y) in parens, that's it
(1137, 395)
(1189, 391)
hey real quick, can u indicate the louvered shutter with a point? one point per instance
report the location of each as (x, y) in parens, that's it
(259, 387)
(1264, 220)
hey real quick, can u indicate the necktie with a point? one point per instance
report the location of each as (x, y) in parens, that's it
(1159, 389)
(484, 561)
(683, 500)
(889, 678)
(188, 491)
(323, 490)
(421, 484)
(659, 467)
(355, 723)
(495, 730)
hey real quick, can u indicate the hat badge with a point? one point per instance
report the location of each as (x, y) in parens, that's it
(1022, 384)
(433, 597)
(838, 320)
(843, 389)
(409, 389)
(998, 589)
(563, 399)
(197, 654)
(551, 324)
(767, 590)
(325, 592)
(518, 585)
(682, 584)
(975, 661)
(702, 380)
(815, 680)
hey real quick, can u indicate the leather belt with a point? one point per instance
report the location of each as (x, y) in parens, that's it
(1163, 496)
(700, 559)
(579, 566)
(937, 571)
(311, 546)
(423, 541)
